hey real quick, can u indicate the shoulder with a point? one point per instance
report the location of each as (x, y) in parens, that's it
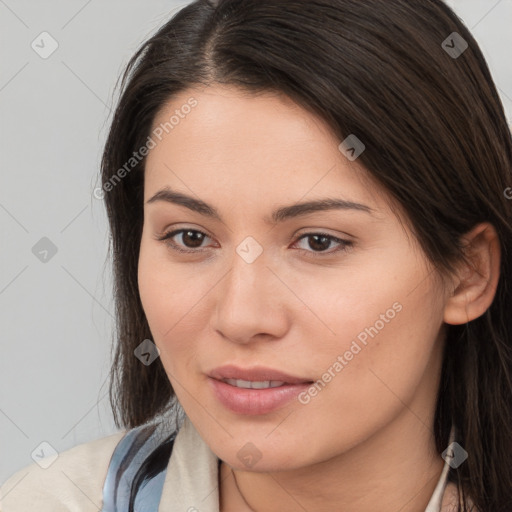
(73, 482)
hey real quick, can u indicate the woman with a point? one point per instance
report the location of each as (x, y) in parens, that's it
(311, 231)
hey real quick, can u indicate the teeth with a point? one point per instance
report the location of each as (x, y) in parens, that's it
(254, 384)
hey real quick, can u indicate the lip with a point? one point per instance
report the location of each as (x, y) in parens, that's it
(254, 401)
(256, 373)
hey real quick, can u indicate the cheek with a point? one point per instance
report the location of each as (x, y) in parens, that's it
(386, 329)
(170, 295)
(350, 300)
(382, 313)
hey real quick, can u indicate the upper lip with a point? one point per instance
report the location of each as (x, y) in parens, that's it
(256, 373)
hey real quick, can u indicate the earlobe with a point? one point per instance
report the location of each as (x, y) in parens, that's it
(475, 284)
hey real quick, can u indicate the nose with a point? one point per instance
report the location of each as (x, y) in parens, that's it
(251, 302)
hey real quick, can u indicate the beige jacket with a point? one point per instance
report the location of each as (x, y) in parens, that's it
(74, 481)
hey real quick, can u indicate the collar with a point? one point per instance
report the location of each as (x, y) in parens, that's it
(191, 482)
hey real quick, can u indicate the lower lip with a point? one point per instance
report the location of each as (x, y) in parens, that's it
(255, 401)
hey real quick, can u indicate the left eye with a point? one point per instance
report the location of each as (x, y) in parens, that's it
(321, 240)
(193, 238)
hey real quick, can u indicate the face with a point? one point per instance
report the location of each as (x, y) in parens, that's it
(342, 299)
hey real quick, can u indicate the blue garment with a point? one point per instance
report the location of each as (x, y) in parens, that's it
(123, 473)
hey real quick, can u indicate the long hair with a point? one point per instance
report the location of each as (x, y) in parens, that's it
(436, 139)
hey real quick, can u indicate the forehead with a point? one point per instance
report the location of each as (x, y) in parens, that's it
(264, 146)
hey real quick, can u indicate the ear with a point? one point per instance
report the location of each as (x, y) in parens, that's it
(475, 285)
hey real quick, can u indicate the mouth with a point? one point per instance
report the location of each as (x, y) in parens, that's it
(257, 377)
(248, 384)
(255, 390)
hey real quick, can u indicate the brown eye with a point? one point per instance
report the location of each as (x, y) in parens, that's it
(320, 242)
(191, 238)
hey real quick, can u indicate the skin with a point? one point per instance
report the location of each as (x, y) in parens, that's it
(365, 442)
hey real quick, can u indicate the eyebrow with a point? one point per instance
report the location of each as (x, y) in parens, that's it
(278, 215)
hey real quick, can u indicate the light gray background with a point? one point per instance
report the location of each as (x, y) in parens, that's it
(57, 316)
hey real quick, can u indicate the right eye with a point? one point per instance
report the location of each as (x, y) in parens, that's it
(193, 237)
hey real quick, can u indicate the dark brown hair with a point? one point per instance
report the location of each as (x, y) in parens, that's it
(436, 139)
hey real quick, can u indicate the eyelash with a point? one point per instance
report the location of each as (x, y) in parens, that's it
(345, 244)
